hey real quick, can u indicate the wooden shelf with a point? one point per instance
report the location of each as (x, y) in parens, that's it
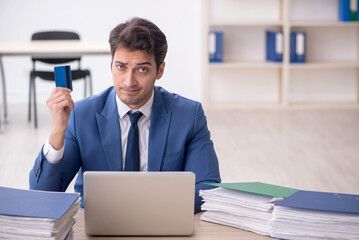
(244, 38)
(225, 65)
(324, 65)
(323, 24)
(243, 105)
(244, 23)
(279, 23)
(306, 65)
(317, 104)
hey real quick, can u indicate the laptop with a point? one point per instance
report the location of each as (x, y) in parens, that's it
(139, 203)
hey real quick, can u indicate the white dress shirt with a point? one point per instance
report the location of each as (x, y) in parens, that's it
(54, 156)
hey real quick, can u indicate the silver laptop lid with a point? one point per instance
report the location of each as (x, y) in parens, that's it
(139, 203)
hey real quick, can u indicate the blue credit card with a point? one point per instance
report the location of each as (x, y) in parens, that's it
(63, 76)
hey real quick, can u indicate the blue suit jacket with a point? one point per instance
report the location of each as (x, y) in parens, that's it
(179, 140)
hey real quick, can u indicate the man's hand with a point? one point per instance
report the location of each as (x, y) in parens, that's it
(60, 104)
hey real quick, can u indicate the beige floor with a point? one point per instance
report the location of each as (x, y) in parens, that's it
(300, 148)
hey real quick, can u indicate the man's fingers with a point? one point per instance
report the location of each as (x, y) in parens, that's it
(63, 103)
(59, 94)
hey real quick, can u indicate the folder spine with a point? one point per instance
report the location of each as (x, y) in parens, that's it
(274, 46)
(216, 46)
(353, 10)
(348, 10)
(297, 47)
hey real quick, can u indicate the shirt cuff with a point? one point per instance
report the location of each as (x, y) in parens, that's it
(52, 156)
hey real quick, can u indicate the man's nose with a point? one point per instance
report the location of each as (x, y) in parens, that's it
(130, 79)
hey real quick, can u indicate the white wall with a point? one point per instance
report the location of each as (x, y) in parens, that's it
(93, 20)
(181, 22)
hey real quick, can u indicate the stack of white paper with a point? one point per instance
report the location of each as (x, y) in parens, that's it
(27, 214)
(290, 223)
(317, 215)
(238, 209)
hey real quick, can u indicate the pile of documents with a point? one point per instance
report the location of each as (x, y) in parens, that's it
(247, 206)
(316, 215)
(28, 214)
(281, 212)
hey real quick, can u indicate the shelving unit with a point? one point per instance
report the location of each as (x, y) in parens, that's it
(329, 75)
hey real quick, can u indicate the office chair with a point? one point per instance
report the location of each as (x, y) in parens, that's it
(49, 75)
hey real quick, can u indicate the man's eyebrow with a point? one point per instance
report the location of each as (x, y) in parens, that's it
(119, 62)
(138, 64)
(144, 63)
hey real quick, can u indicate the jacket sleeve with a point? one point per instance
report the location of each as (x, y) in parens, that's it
(200, 156)
(47, 176)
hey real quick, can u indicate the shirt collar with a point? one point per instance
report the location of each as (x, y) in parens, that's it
(146, 109)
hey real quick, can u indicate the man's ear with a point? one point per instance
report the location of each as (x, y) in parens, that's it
(111, 64)
(161, 70)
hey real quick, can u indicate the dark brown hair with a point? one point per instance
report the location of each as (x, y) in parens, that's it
(139, 34)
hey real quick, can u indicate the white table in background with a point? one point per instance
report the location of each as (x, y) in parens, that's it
(44, 48)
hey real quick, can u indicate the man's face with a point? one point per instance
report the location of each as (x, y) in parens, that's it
(134, 74)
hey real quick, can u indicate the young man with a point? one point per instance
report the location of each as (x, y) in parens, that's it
(169, 134)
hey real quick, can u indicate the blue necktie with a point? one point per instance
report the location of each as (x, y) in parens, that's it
(132, 162)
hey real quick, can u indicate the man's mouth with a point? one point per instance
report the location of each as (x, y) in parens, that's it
(130, 90)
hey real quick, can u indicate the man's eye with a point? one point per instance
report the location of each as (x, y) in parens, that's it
(143, 70)
(121, 67)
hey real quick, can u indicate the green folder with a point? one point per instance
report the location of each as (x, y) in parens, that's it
(258, 188)
(353, 15)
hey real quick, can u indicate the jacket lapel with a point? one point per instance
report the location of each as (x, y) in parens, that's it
(109, 128)
(160, 122)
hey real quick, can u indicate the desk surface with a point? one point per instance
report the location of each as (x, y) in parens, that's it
(53, 47)
(202, 230)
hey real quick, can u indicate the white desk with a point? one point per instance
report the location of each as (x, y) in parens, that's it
(58, 48)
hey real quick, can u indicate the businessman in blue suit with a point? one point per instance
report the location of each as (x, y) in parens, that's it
(95, 133)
